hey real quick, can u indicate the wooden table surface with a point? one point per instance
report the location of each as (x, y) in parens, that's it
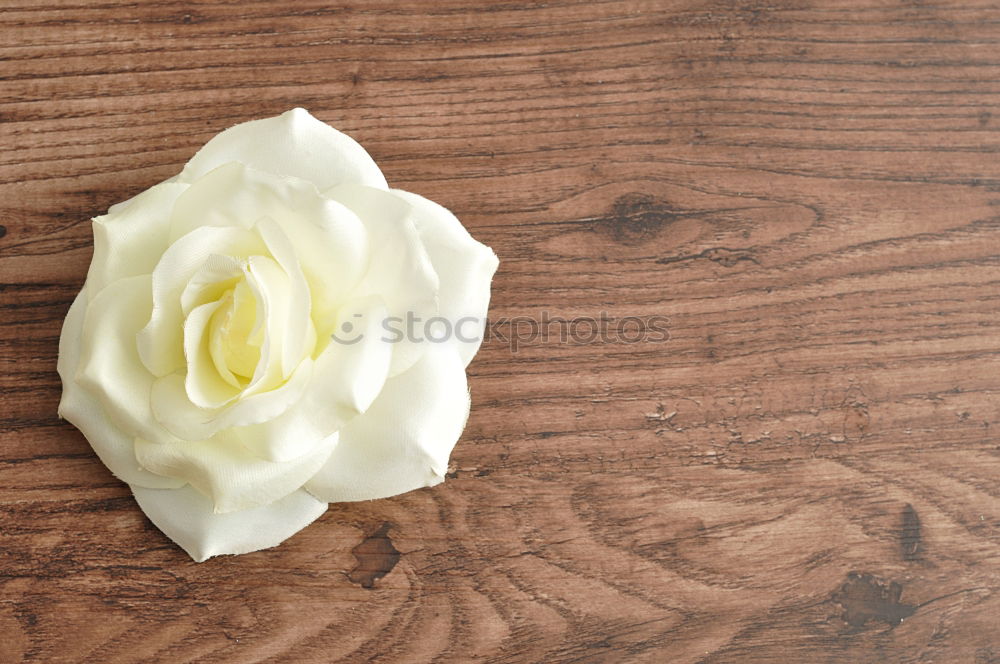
(806, 470)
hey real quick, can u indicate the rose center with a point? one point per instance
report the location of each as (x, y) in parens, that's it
(235, 337)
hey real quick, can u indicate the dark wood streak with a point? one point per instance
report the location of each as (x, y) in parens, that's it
(805, 467)
(910, 535)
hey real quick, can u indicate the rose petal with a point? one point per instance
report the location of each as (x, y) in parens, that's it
(130, 239)
(271, 288)
(109, 367)
(210, 281)
(330, 241)
(112, 445)
(224, 471)
(204, 383)
(236, 337)
(174, 411)
(293, 143)
(299, 332)
(403, 441)
(160, 341)
(464, 266)
(400, 270)
(186, 517)
(347, 377)
(115, 208)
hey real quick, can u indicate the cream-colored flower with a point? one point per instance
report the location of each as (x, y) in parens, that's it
(232, 354)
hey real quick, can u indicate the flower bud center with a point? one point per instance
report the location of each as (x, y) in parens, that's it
(235, 339)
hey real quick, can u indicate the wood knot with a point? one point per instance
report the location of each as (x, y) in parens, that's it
(376, 557)
(866, 599)
(635, 218)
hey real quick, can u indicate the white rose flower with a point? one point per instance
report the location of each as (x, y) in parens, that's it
(230, 354)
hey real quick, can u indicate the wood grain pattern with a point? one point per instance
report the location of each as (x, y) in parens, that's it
(805, 471)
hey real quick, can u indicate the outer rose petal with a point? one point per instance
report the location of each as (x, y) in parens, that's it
(186, 517)
(403, 441)
(225, 472)
(112, 445)
(464, 266)
(130, 239)
(110, 369)
(293, 143)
